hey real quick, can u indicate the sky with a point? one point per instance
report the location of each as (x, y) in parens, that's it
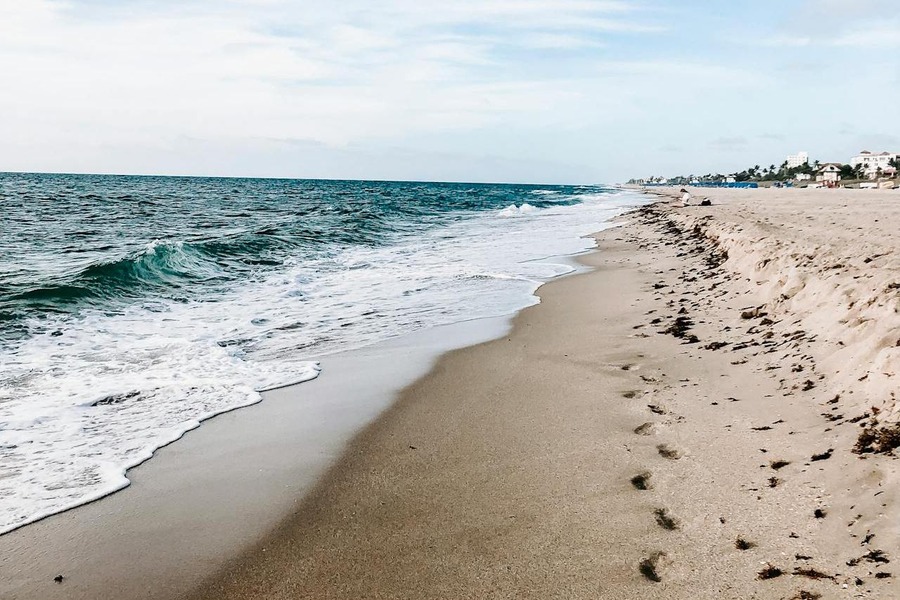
(542, 91)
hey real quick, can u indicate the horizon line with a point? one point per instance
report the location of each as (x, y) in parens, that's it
(278, 178)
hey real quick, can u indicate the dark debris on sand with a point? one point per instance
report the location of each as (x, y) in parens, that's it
(875, 440)
(811, 573)
(769, 572)
(742, 544)
(823, 456)
(873, 556)
(804, 595)
(680, 327)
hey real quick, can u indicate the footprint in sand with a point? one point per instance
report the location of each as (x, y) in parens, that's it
(651, 566)
(642, 481)
(666, 520)
(668, 452)
(645, 429)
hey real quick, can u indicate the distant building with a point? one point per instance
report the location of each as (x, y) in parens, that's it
(803, 177)
(797, 160)
(872, 162)
(829, 173)
(730, 179)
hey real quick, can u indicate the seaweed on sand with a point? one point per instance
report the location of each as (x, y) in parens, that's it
(769, 572)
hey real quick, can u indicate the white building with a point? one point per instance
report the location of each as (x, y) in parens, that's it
(796, 160)
(873, 162)
(829, 173)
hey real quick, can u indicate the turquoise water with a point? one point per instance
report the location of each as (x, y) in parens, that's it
(75, 242)
(132, 308)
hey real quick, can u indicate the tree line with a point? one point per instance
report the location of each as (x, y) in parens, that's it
(759, 173)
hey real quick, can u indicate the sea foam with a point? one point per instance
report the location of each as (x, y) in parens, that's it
(86, 394)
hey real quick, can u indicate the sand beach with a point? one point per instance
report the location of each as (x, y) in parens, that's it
(709, 412)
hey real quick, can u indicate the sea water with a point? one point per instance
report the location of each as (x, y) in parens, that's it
(133, 308)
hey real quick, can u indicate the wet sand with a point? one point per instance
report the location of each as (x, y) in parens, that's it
(657, 428)
(204, 499)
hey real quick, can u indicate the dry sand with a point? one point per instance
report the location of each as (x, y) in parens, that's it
(678, 423)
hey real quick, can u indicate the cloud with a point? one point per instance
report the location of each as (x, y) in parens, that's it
(729, 143)
(881, 34)
(331, 71)
(683, 75)
(784, 41)
(561, 41)
(877, 142)
(831, 11)
(862, 24)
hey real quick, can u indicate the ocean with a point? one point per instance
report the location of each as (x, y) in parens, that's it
(133, 308)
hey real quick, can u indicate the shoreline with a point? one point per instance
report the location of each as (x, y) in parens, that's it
(176, 521)
(189, 492)
(513, 467)
(174, 325)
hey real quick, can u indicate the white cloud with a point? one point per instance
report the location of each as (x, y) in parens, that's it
(335, 72)
(873, 35)
(728, 144)
(561, 41)
(841, 11)
(781, 41)
(677, 78)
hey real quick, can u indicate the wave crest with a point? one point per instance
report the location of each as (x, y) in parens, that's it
(518, 211)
